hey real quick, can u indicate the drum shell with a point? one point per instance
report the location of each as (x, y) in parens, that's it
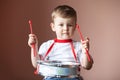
(47, 69)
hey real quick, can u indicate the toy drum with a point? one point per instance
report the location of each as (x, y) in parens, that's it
(57, 69)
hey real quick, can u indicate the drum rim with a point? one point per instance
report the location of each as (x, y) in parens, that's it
(58, 63)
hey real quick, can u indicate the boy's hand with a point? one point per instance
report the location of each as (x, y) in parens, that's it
(85, 43)
(32, 40)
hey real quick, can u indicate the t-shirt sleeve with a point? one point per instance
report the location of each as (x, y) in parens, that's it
(44, 47)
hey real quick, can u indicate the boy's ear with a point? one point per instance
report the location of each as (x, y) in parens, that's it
(52, 26)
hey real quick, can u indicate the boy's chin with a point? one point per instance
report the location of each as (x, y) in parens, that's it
(64, 38)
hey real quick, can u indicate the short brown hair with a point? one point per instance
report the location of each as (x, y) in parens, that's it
(64, 11)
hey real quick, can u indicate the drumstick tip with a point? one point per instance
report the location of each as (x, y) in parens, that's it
(30, 22)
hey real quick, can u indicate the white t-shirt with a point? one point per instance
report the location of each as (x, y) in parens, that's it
(61, 51)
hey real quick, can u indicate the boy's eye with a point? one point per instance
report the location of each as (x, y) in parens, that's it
(69, 25)
(60, 24)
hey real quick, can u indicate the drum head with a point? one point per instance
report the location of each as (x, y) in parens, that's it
(49, 63)
(57, 63)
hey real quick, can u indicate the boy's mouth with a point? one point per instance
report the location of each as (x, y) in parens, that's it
(65, 33)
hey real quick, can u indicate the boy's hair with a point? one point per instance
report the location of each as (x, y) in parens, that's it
(64, 11)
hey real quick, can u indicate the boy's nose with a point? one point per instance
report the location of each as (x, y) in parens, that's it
(65, 27)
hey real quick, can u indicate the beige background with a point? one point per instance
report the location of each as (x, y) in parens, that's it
(99, 20)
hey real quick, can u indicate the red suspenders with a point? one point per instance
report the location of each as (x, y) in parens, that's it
(62, 41)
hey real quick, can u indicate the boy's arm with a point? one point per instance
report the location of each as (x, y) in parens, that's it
(87, 64)
(33, 43)
(34, 56)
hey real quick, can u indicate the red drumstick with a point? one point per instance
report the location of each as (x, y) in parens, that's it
(31, 31)
(87, 53)
(30, 23)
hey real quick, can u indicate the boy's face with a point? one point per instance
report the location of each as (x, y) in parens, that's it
(64, 27)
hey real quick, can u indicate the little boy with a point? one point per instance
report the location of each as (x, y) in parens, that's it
(63, 48)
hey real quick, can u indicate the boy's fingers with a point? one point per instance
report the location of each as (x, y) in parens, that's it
(32, 35)
(32, 40)
(87, 38)
(86, 43)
